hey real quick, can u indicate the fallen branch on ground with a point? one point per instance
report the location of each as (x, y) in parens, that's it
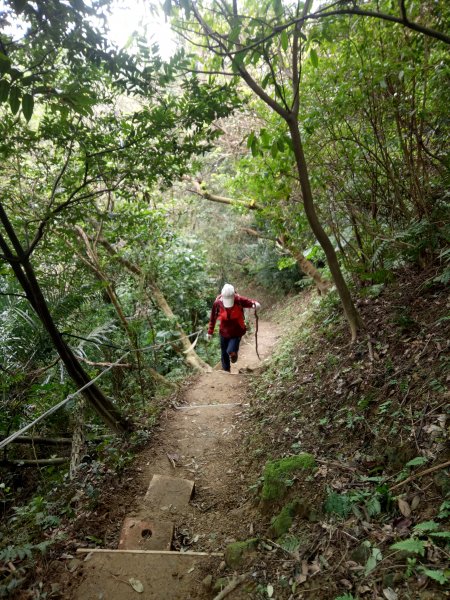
(421, 474)
(232, 586)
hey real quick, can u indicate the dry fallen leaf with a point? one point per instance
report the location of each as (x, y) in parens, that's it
(404, 507)
(415, 502)
(270, 590)
(390, 594)
(304, 567)
(136, 585)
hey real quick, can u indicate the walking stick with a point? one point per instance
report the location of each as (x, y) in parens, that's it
(256, 334)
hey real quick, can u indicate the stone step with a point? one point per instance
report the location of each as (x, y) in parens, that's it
(139, 534)
(111, 575)
(165, 491)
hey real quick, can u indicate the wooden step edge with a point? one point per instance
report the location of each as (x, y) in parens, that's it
(169, 552)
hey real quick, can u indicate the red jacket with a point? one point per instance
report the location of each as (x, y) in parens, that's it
(231, 319)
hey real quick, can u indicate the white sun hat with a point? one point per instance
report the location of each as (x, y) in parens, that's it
(228, 295)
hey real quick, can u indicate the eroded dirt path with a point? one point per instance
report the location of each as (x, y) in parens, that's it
(198, 441)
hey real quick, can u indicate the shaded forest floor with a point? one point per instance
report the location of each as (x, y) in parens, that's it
(372, 415)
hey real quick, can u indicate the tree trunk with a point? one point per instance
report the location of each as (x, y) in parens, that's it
(350, 310)
(191, 357)
(306, 266)
(24, 273)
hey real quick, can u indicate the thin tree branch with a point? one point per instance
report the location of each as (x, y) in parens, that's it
(324, 13)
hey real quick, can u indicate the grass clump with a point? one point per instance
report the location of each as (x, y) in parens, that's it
(277, 474)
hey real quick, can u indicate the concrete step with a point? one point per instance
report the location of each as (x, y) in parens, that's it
(165, 491)
(138, 534)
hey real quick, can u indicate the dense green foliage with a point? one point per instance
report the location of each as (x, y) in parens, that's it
(96, 147)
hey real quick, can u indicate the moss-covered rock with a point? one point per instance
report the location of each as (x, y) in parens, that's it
(277, 474)
(282, 522)
(235, 553)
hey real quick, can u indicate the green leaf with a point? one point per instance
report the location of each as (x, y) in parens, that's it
(284, 40)
(265, 136)
(277, 7)
(238, 60)
(4, 90)
(372, 561)
(436, 575)
(250, 139)
(441, 534)
(314, 58)
(265, 81)
(274, 149)
(27, 106)
(373, 506)
(426, 526)
(416, 462)
(5, 63)
(411, 545)
(15, 74)
(235, 33)
(14, 100)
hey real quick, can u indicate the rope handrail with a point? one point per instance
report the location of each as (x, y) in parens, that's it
(70, 397)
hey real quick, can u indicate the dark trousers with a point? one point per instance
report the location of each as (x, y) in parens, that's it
(228, 345)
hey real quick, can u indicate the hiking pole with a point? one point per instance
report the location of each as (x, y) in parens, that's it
(256, 334)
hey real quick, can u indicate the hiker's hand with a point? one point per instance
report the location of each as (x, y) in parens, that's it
(257, 305)
(208, 337)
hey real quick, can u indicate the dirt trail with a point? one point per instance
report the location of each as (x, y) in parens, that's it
(198, 441)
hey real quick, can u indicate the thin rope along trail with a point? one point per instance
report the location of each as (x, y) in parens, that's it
(70, 397)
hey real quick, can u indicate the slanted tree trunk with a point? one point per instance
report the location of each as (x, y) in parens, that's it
(350, 311)
(306, 266)
(24, 272)
(200, 190)
(189, 354)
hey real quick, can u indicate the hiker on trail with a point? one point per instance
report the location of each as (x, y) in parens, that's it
(229, 307)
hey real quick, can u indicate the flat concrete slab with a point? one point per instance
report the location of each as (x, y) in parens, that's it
(174, 576)
(165, 491)
(138, 534)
